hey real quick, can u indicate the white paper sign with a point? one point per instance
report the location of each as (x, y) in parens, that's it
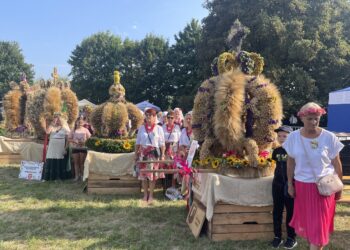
(31, 170)
(191, 152)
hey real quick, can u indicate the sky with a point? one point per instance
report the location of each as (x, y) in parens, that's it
(49, 30)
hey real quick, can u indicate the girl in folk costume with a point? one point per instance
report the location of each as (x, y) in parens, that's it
(172, 133)
(186, 134)
(150, 145)
(186, 138)
(178, 117)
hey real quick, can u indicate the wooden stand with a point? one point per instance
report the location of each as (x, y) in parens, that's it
(105, 184)
(233, 222)
(10, 158)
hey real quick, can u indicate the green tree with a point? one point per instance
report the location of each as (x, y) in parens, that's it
(95, 59)
(142, 62)
(304, 43)
(12, 65)
(93, 62)
(183, 63)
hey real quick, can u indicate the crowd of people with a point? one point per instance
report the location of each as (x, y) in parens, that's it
(65, 144)
(302, 158)
(163, 136)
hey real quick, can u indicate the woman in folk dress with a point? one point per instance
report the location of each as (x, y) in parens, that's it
(55, 167)
(150, 145)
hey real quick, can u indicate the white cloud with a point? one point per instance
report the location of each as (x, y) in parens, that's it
(134, 27)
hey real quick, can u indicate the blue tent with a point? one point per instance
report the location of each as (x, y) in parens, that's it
(339, 111)
(146, 104)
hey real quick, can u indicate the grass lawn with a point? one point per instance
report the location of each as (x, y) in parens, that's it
(58, 215)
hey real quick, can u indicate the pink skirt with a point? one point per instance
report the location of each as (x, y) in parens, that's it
(313, 217)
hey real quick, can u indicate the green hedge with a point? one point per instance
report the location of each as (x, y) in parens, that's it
(111, 145)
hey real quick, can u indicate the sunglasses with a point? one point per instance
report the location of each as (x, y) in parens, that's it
(170, 117)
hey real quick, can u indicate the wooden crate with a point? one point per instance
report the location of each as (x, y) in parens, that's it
(233, 222)
(105, 184)
(10, 158)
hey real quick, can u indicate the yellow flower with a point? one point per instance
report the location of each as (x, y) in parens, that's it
(215, 163)
(206, 161)
(197, 162)
(97, 143)
(230, 160)
(262, 161)
(126, 145)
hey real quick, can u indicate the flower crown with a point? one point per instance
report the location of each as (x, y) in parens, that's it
(308, 111)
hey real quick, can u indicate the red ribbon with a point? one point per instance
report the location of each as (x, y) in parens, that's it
(44, 149)
(182, 164)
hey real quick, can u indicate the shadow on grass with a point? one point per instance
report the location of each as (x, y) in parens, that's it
(108, 221)
(67, 190)
(111, 227)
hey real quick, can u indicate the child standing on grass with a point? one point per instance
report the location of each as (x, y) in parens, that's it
(280, 195)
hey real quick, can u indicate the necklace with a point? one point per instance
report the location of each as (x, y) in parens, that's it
(314, 144)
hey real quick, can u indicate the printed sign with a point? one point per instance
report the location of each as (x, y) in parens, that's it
(31, 170)
(191, 152)
(195, 218)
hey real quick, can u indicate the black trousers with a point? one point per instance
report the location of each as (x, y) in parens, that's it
(279, 202)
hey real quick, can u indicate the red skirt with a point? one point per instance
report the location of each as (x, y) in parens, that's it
(313, 217)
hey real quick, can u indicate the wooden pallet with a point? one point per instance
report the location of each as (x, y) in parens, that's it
(105, 184)
(346, 179)
(9, 158)
(345, 199)
(233, 222)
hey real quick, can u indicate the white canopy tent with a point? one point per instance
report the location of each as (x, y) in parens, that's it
(84, 102)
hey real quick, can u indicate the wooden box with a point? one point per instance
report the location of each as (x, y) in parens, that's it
(10, 158)
(105, 184)
(233, 222)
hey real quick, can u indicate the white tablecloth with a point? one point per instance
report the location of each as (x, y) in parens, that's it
(109, 164)
(27, 148)
(233, 190)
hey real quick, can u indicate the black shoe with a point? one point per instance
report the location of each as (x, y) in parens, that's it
(290, 243)
(276, 242)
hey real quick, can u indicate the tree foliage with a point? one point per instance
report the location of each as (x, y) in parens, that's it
(93, 62)
(305, 43)
(183, 63)
(12, 65)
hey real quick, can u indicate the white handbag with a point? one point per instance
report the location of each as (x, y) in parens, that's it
(326, 185)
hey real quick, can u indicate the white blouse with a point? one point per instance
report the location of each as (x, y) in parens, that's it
(184, 139)
(154, 138)
(320, 152)
(173, 136)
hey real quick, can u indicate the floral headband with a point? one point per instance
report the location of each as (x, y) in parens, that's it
(318, 111)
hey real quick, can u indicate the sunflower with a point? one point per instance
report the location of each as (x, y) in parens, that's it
(126, 145)
(98, 143)
(197, 162)
(206, 161)
(262, 161)
(230, 160)
(215, 163)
